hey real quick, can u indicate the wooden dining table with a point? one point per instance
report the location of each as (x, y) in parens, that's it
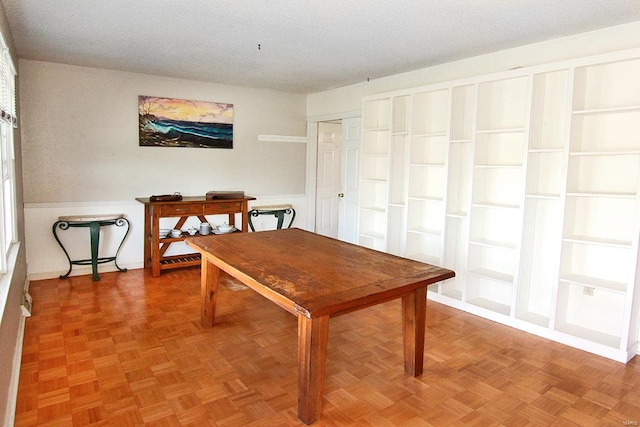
(315, 278)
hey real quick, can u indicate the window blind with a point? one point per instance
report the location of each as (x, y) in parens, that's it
(7, 87)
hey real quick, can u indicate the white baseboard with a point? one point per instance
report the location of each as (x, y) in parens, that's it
(84, 270)
(12, 398)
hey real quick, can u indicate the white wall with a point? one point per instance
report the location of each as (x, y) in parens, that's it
(81, 153)
(80, 138)
(595, 42)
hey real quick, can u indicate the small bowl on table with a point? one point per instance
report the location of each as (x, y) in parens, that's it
(225, 228)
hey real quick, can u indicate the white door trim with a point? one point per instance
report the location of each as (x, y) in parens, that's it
(312, 159)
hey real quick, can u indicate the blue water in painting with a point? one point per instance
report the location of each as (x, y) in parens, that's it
(198, 133)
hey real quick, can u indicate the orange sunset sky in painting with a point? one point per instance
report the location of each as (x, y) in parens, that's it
(192, 111)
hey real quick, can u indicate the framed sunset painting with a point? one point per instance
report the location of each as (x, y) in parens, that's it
(168, 122)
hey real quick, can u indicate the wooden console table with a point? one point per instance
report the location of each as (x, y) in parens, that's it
(155, 246)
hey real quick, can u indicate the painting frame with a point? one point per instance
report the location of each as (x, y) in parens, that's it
(173, 122)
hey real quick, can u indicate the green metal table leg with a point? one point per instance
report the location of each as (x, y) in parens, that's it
(94, 230)
(93, 223)
(277, 211)
(63, 226)
(280, 216)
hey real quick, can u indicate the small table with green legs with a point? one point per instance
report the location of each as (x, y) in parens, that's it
(279, 211)
(93, 222)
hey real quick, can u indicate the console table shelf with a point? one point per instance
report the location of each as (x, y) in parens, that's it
(155, 246)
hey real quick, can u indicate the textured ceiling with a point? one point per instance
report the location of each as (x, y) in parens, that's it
(300, 46)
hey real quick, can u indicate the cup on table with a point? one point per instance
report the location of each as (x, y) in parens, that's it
(192, 231)
(205, 228)
(176, 233)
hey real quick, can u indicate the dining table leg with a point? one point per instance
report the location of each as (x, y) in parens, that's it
(414, 315)
(313, 335)
(209, 279)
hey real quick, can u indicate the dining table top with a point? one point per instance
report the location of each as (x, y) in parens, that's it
(312, 275)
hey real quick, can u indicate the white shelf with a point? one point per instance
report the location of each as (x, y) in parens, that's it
(549, 196)
(503, 130)
(398, 204)
(546, 150)
(492, 274)
(605, 153)
(430, 135)
(589, 334)
(609, 110)
(597, 241)
(609, 285)
(375, 180)
(492, 205)
(372, 234)
(426, 231)
(426, 198)
(427, 164)
(534, 318)
(492, 243)
(427, 259)
(513, 166)
(374, 209)
(578, 259)
(460, 215)
(453, 294)
(621, 195)
(491, 305)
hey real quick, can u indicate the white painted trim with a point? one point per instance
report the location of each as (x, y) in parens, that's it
(12, 395)
(81, 204)
(311, 167)
(312, 159)
(5, 279)
(276, 196)
(336, 116)
(282, 138)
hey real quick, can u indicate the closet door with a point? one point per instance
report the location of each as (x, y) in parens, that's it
(497, 194)
(599, 257)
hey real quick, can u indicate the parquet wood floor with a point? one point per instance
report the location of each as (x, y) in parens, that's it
(128, 351)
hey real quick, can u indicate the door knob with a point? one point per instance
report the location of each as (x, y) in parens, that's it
(340, 194)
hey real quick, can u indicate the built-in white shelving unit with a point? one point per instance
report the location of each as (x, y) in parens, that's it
(458, 197)
(546, 172)
(598, 262)
(375, 167)
(496, 201)
(526, 184)
(427, 175)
